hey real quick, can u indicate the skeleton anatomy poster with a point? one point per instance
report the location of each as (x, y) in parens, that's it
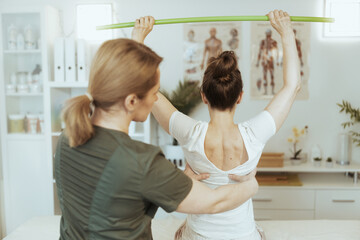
(203, 41)
(267, 59)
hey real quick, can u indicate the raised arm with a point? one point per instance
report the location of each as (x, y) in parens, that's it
(162, 109)
(281, 103)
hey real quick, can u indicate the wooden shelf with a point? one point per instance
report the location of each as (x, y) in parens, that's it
(309, 167)
(22, 51)
(68, 84)
(25, 136)
(323, 181)
(136, 135)
(25, 94)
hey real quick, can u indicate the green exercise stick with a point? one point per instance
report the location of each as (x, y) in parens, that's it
(216, 19)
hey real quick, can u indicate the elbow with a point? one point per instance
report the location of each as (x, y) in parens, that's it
(298, 85)
(297, 88)
(255, 186)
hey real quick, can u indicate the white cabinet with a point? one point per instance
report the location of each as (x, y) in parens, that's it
(337, 204)
(326, 193)
(284, 199)
(24, 69)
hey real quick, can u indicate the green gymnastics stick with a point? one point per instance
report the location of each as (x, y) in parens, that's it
(216, 19)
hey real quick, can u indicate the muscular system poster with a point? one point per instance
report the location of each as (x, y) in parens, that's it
(267, 59)
(203, 41)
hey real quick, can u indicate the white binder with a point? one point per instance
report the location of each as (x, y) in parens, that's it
(82, 70)
(70, 70)
(59, 60)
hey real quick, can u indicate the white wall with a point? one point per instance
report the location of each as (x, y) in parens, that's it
(334, 63)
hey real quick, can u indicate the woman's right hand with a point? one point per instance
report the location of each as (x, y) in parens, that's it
(280, 21)
(142, 28)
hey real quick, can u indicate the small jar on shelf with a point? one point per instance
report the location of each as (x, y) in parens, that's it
(329, 162)
(16, 123)
(12, 37)
(32, 123)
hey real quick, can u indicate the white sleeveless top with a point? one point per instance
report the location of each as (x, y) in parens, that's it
(238, 223)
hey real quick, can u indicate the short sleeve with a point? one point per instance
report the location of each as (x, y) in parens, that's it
(164, 185)
(262, 126)
(181, 127)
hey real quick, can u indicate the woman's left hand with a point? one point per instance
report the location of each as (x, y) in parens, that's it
(142, 28)
(190, 173)
(245, 178)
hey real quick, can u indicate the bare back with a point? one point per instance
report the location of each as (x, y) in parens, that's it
(225, 147)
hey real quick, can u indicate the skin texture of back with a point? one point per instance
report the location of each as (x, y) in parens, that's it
(232, 153)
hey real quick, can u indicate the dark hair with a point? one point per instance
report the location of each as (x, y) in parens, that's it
(120, 67)
(222, 83)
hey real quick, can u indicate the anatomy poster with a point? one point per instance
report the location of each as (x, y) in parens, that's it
(267, 59)
(203, 41)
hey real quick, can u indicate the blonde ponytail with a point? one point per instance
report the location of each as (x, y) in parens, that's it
(76, 115)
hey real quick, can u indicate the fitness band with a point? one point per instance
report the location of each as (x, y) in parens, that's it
(217, 19)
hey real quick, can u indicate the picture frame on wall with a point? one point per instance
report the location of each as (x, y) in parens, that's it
(267, 60)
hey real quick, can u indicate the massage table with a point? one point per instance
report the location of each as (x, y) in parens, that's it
(47, 228)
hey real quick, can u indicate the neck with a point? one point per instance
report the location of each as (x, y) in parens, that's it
(117, 120)
(222, 119)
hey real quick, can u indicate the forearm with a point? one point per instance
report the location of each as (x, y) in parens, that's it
(203, 200)
(162, 111)
(280, 105)
(231, 196)
(138, 39)
(291, 71)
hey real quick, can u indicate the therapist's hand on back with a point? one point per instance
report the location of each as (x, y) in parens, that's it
(244, 178)
(190, 173)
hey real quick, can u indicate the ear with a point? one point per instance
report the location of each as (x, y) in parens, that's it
(204, 98)
(240, 97)
(131, 102)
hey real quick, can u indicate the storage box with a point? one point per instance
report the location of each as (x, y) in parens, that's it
(271, 159)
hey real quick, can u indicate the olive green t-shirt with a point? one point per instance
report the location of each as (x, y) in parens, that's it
(112, 186)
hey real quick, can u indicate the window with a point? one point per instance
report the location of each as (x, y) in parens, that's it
(347, 18)
(89, 16)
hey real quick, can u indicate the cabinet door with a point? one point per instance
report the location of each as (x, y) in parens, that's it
(337, 204)
(276, 214)
(284, 199)
(28, 192)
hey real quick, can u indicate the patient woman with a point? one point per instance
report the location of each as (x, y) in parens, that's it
(109, 185)
(221, 147)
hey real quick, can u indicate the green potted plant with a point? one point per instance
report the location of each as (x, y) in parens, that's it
(329, 162)
(354, 119)
(317, 161)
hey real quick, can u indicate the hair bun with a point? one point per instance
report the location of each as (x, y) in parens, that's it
(224, 65)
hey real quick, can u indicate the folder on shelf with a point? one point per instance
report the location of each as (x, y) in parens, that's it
(81, 61)
(59, 60)
(70, 70)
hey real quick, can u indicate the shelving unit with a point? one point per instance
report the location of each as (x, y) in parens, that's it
(326, 193)
(28, 190)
